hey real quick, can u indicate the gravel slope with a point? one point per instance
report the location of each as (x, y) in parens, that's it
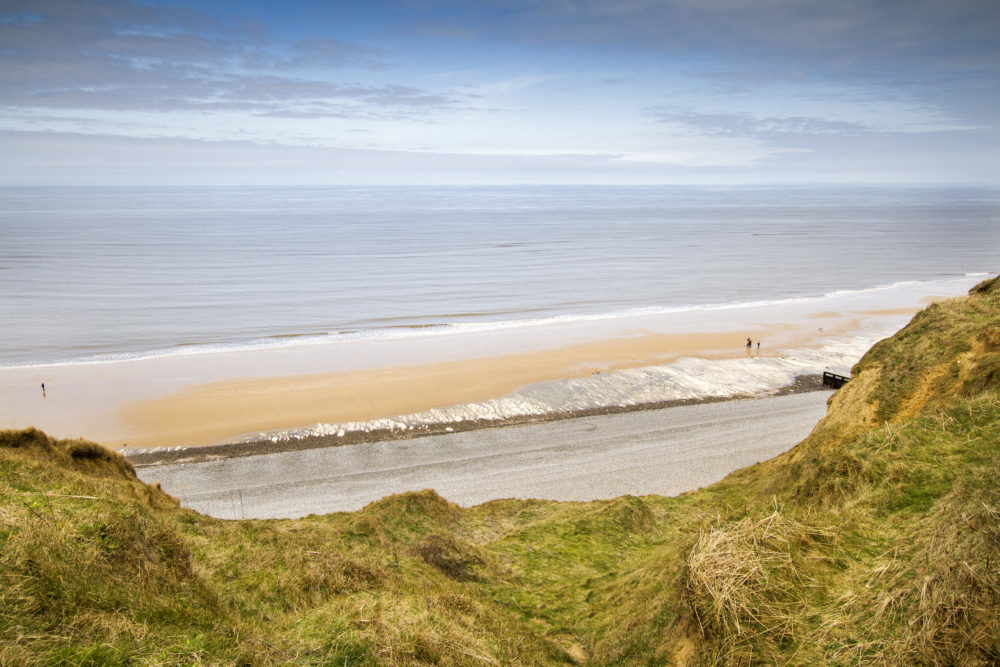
(665, 452)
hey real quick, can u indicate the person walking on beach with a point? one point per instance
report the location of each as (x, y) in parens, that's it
(43, 390)
(749, 345)
(758, 348)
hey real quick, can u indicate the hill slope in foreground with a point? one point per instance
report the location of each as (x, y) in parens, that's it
(875, 539)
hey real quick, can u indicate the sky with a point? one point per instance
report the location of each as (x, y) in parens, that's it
(228, 92)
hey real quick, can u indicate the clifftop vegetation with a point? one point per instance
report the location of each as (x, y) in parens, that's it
(876, 539)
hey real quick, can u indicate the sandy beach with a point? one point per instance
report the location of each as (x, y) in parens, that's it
(221, 411)
(198, 400)
(213, 412)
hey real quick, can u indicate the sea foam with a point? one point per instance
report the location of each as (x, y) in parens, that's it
(871, 297)
(685, 378)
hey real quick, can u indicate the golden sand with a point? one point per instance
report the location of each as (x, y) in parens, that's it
(210, 413)
(212, 398)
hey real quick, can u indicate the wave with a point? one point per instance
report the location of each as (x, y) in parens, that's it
(686, 378)
(404, 330)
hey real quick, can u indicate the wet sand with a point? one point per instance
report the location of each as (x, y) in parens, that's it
(215, 412)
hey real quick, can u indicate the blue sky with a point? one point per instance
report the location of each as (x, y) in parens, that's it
(500, 91)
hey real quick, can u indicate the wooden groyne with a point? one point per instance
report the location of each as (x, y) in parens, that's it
(834, 380)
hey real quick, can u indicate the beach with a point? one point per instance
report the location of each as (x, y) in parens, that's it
(217, 412)
(266, 395)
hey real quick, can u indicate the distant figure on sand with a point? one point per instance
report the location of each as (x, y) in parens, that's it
(749, 346)
(43, 390)
(758, 348)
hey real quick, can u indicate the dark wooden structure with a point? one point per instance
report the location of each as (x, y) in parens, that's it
(834, 380)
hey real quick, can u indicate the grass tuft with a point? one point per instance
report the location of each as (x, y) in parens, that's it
(744, 580)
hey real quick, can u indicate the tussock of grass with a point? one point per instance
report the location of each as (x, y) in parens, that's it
(876, 540)
(744, 578)
(79, 455)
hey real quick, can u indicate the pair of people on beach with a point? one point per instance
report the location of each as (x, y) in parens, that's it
(750, 346)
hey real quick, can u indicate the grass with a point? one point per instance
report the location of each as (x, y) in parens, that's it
(948, 347)
(875, 540)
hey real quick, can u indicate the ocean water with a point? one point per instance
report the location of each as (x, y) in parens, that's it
(91, 274)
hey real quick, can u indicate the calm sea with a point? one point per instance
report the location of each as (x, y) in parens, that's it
(109, 273)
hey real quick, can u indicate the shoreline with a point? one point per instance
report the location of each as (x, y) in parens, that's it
(142, 458)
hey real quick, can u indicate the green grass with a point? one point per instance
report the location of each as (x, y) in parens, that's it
(877, 539)
(931, 349)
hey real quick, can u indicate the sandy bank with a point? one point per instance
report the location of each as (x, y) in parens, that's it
(214, 412)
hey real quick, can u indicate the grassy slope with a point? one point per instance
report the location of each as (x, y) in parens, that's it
(876, 539)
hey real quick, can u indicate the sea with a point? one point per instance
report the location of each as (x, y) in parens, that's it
(101, 275)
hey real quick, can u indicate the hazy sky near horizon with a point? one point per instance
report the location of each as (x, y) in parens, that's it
(499, 91)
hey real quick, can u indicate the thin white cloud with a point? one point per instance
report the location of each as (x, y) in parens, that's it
(117, 56)
(513, 84)
(88, 159)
